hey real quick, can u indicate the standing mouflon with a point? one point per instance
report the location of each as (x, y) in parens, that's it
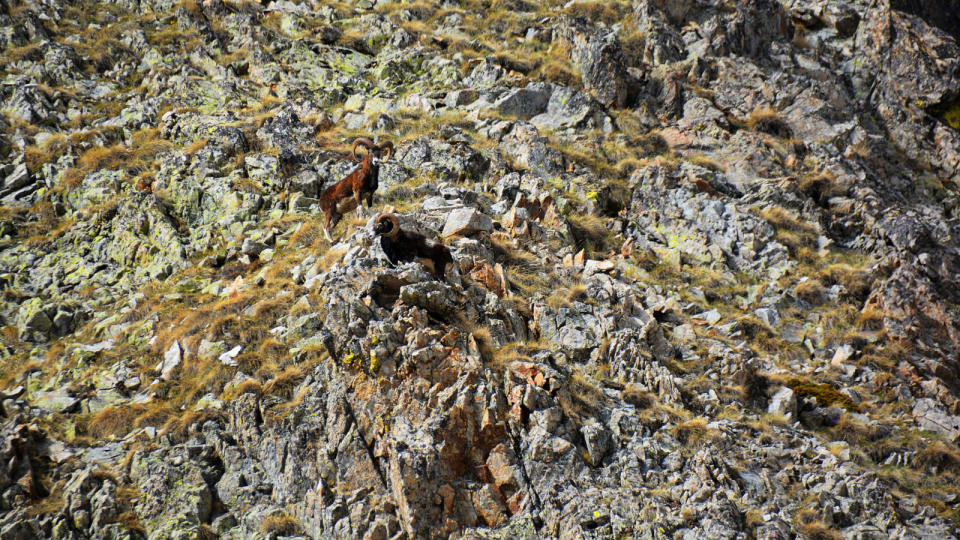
(347, 194)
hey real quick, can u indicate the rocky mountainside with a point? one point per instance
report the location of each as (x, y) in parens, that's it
(707, 271)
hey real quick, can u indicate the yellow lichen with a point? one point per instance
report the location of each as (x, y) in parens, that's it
(952, 116)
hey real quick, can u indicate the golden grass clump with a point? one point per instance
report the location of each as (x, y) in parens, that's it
(101, 157)
(691, 431)
(940, 456)
(564, 296)
(156, 415)
(825, 394)
(638, 397)
(280, 524)
(589, 232)
(799, 237)
(600, 11)
(308, 233)
(246, 387)
(116, 421)
(284, 384)
(856, 280)
(810, 291)
(767, 120)
(580, 397)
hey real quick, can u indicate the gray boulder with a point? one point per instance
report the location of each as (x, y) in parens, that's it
(598, 57)
(784, 402)
(466, 221)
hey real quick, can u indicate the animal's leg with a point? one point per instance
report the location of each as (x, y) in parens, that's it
(331, 223)
(358, 197)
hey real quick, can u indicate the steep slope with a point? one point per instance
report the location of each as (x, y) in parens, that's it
(706, 270)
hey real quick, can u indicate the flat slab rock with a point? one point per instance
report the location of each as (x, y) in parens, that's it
(54, 401)
(931, 417)
(466, 221)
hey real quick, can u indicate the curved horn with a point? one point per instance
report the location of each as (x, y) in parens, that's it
(394, 221)
(362, 141)
(386, 146)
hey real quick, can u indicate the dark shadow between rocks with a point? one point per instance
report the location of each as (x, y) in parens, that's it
(943, 14)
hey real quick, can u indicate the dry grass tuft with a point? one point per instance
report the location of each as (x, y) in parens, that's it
(692, 431)
(590, 233)
(768, 121)
(855, 432)
(825, 394)
(281, 524)
(117, 421)
(285, 383)
(101, 157)
(638, 397)
(308, 233)
(811, 291)
(856, 280)
(821, 187)
(797, 235)
(818, 530)
(599, 11)
(580, 398)
(940, 456)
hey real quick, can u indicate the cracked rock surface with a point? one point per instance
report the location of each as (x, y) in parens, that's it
(706, 277)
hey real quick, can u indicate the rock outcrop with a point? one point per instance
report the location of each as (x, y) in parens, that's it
(706, 278)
